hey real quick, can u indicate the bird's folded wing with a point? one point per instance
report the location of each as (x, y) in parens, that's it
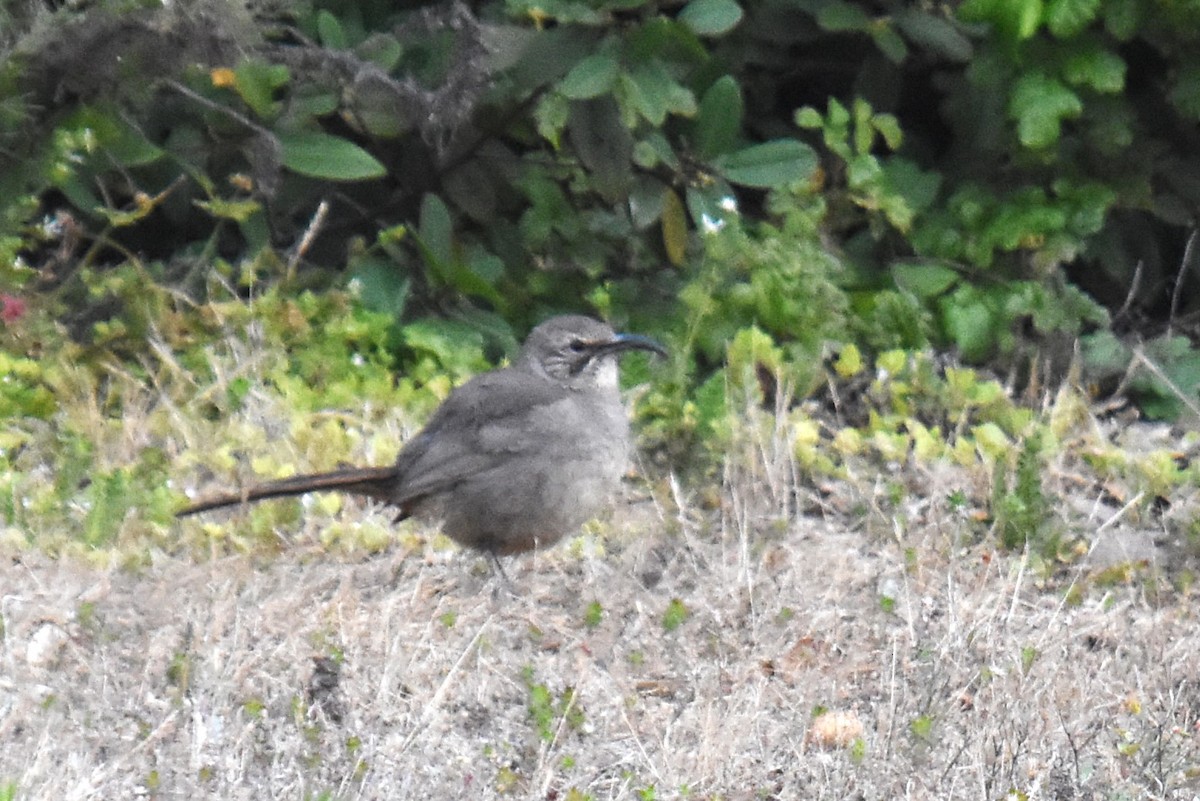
(480, 427)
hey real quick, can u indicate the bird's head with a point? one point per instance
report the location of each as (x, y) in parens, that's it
(579, 351)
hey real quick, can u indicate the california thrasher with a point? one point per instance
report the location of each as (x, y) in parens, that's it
(513, 459)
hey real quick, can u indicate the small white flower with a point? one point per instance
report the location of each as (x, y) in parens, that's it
(710, 225)
(728, 204)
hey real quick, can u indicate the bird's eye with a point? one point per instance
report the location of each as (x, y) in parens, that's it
(577, 345)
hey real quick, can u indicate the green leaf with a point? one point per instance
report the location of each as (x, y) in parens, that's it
(436, 229)
(864, 131)
(257, 83)
(1094, 66)
(549, 210)
(236, 210)
(771, 165)
(840, 17)
(551, 117)
(121, 141)
(472, 189)
(477, 276)
(1023, 219)
(1110, 125)
(376, 108)
(456, 345)
(838, 115)
(889, 43)
(889, 128)
(655, 150)
(711, 17)
(1185, 93)
(719, 118)
(708, 206)
(383, 285)
(306, 102)
(668, 40)
(1123, 18)
(969, 324)
(319, 155)
(918, 187)
(1104, 354)
(674, 228)
(936, 33)
(646, 201)
(1067, 18)
(505, 45)
(603, 144)
(590, 78)
(924, 280)
(330, 31)
(1012, 19)
(655, 94)
(809, 117)
(381, 49)
(550, 55)
(1039, 104)
(485, 264)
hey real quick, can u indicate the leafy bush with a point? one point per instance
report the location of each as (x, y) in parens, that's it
(909, 174)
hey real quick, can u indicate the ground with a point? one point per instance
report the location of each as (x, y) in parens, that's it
(743, 647)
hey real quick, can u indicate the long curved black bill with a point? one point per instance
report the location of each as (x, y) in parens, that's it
(623, 342)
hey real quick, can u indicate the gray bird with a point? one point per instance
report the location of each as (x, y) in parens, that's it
(515, 458)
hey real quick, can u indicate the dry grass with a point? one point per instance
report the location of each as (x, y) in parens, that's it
(948, 670)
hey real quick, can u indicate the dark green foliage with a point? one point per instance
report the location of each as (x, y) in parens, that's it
(142, 488)
(778, 279)
(22, 392)
(900, 175)
(1023, 511)
(1168, 382)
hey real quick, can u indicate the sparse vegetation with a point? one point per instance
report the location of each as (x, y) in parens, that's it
(880, 508)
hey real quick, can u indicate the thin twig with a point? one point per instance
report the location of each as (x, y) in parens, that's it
(217, 107)
(1134, 286)
(310, 235)
(1186, 399)
(1183, 265)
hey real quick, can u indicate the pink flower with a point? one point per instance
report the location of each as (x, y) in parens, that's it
(12, 308)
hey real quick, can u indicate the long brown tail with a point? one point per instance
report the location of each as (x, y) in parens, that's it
(374, 482)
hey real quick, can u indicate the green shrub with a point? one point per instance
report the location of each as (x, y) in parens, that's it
(958, 173)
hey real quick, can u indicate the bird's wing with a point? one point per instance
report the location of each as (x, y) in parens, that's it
(480, 426)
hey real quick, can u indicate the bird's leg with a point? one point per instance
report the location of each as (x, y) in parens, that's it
(496, 563)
